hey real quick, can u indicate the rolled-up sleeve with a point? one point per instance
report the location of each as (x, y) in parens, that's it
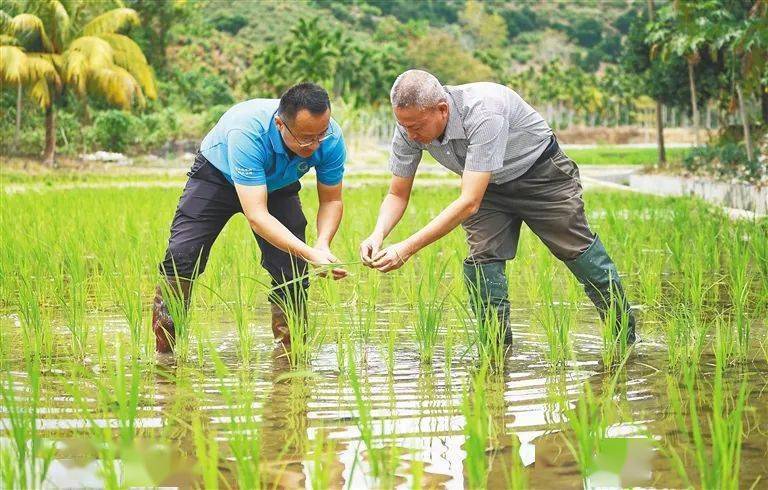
(246, 156)
(487, 143)
(404, 158)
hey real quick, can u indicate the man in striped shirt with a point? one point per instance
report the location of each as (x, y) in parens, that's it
(512, 171)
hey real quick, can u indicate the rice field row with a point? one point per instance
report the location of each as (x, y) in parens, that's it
(394, 385)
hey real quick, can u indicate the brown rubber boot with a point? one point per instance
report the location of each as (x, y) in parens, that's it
(162, 322)
(280, 325)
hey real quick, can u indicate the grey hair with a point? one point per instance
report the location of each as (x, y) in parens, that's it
(417, 88)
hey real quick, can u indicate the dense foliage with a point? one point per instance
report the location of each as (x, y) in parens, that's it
(588, 63)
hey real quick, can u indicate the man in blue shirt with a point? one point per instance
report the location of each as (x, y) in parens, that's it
(251, 162)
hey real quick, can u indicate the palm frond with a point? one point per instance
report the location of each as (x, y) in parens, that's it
(112, 21)
(13, 69)
(60, 22)
(41, 66)
(128, 55)
(40, 92)
(7, 40)
(117, 86)
(29, 29)
(84, 55)
(5, 22)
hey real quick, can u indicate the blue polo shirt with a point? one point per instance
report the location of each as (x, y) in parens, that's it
(246, 146)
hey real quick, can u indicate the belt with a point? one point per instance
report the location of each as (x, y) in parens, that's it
(549, 151)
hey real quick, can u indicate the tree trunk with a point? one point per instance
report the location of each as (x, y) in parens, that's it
(764, 103)
(86, 111)
(50, 136)
(659, 106)
(694, 105)
(744, 122)
(17, 133)
(660, 134)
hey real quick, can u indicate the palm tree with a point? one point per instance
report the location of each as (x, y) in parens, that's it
(745, 47)
(685, 29)
(90, 57)
(24, 68)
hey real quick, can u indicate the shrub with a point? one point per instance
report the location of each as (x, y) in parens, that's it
(726, 160)
(231, 23)
(158, 127)
(113, 130)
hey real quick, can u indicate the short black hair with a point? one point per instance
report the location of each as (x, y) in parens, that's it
(307, 95)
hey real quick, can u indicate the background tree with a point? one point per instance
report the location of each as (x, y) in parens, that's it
(685, 29)
(91, 55)
(26, 62)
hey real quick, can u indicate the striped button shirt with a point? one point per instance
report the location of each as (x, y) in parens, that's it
(490, 129)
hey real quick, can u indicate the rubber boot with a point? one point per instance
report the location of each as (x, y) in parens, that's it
(162, 322)
(488, 293)
(296, 303)
(280, 325)
(595, 270)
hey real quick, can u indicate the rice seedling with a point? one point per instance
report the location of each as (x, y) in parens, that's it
(686, 336)
(129, 297)
(486, 334)
(28, 456)
(35, 323)
(243, 428)
(245, 337)
(362, 392)
(588, 419)
(364, 315)
(119, 393)
(517, 476)
(207, 454)
(739, 282)
(430, 305)
(758, 245)
(615, 347)
(179, 308)
(717, 459)
(588, 422)
(112, 261)
(389, 339)
(723, 345)
(650, 278)
(556, 318)
(417, 474)
(73, 280)
(8, 467)
(477, 429)
(323, 461)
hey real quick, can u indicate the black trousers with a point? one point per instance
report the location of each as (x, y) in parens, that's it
(205, 206)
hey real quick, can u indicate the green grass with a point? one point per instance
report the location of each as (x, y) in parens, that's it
(616, 155)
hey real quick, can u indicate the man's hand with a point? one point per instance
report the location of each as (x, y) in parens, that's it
(369, 249)
(321, 255)
(392, 257)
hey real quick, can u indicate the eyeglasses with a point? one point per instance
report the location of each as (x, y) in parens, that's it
(317, 139)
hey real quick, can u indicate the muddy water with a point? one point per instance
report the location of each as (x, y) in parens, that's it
(416, 410)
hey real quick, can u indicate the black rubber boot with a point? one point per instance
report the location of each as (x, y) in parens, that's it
(595, 270)
(488, 294)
